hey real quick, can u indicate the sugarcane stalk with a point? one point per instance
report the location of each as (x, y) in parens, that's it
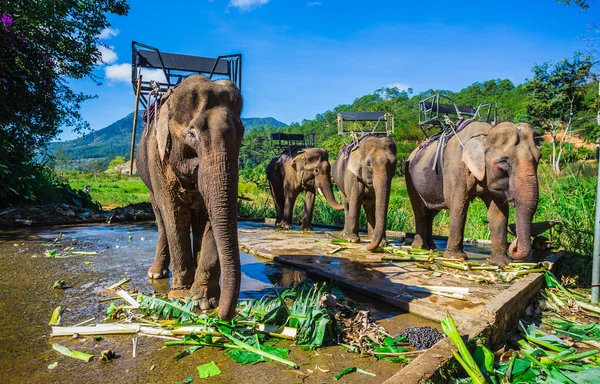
(578, 356)
(259, 352)
(544, 344)
(528, 271)
(454, 265)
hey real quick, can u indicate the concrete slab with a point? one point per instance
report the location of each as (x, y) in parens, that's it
(490, 309)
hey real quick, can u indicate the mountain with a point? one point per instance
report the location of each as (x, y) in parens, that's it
(251, 123)
(115, 140)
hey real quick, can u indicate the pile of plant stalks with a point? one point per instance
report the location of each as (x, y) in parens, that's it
(563, 348)
(311, 315)
(474, 271)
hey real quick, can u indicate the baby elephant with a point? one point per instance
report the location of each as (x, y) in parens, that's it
(364, 172)
(300, 169)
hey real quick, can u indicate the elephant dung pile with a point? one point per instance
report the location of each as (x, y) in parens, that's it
(310, 314)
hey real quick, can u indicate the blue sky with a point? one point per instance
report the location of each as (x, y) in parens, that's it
(304, 57)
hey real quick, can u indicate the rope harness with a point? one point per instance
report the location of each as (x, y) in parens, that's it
(346, 150)
(152, 111)
(443, 137)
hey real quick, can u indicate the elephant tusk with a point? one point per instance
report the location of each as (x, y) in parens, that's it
(320, 192)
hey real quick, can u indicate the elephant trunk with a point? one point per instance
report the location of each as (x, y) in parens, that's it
(323, 182)
(525, 206)
(220, 192)
(381, 185)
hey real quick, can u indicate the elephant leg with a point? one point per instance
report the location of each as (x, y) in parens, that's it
(458, 218)
(352, 217)
(431, 214)
(309, 205)
(498, 221)
(420, 213)
(369, 208)
(288, 210)
(206, 290)
(278, 199)
(160, 267)
(177, 221)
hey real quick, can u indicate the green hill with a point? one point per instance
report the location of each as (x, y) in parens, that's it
(115, 140)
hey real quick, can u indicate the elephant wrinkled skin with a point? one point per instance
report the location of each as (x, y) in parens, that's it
(190, 164)
(498, 164)
(364, 177)
(304, 169)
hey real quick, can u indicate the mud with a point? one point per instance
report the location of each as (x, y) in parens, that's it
(27, 300)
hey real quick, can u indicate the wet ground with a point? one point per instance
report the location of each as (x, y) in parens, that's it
(358, 267)
(27, 300)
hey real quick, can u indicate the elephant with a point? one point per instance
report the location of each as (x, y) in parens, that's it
(496, 163)
(363, 172)
(300, 169)
(188, 159)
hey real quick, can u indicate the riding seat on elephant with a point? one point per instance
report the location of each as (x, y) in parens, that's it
(188, 159)
(300, 169)
(495, 163)
(363, 172)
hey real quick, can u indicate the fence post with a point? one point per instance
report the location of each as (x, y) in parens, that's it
(596, 256)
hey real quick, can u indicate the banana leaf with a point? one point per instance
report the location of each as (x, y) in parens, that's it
(173, 309)
(208, 370)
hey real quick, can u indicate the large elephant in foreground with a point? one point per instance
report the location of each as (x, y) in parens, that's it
(498, 164)
(363, 172)
(189, 161)
(301, 169)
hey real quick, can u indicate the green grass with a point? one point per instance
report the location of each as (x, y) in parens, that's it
(109, 190)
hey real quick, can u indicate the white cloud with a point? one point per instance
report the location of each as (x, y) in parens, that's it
(313, 3)
(121, 73)
(246, 5)
(118, 73)
(107, 33)
(108, 53)
(400, 86)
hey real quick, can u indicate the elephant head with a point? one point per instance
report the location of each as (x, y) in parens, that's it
(376, 168)
(199, 124)
(505, 160)
(312, 167)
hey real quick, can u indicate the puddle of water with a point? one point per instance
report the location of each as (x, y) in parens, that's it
(27, 301)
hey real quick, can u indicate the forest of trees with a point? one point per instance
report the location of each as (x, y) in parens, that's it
(514, 104)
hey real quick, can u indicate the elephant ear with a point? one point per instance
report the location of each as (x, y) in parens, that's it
(298, 161)
(474, 156)
(162, 133)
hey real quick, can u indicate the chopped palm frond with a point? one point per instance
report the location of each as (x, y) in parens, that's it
(71, 353)
(168, 309)
(55, 319)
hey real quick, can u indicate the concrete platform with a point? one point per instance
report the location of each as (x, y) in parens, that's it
(490, 309)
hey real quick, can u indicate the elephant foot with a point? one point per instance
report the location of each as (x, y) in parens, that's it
(500, 260)
(351, 237)
(180, 292)
(306, 227)
(383, 243)
(458, 254)
(158, 272)
(418, 243)
(283, 225)
(206, 296)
